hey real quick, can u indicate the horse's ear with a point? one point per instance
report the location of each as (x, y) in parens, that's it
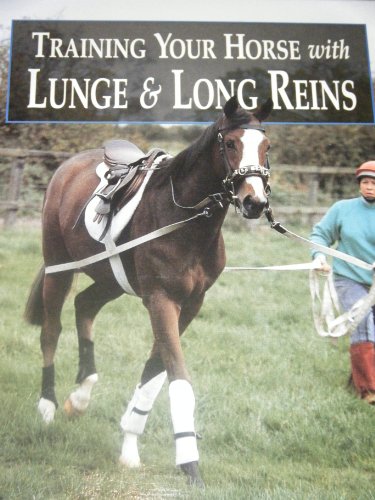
(264, 110)
(231, 106)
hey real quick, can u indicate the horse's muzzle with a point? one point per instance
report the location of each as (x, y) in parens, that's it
(251, 197)
(252, 208)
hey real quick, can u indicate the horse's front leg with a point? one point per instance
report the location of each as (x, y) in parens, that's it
(165, 314)
(135, 417)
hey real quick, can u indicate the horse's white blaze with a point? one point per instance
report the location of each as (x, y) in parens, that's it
(47, 409)
(182, 403)
(258, 187)
(251, 140)
(80, 398)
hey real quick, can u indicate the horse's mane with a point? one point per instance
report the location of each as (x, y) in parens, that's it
(182, 163)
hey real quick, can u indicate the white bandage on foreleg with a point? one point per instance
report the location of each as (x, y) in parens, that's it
(182, 403)
(135, 416)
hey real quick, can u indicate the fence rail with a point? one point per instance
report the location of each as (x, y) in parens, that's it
(18, 157)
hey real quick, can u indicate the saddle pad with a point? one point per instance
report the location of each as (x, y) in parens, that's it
(118, 222)
(123, 216)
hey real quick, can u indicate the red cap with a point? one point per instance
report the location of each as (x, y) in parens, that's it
(367, 169)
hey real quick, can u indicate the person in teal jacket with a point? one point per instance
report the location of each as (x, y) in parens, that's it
(351, 224)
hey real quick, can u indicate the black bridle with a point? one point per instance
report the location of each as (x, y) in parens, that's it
(232, 175)
(228, 196)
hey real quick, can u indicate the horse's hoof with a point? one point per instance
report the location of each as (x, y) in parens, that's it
(47, 410)
(193, 476)
(70, 410)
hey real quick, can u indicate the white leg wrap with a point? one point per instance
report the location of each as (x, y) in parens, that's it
(136, 414)
(47, 409)
(182, 403)
(81, 397)
(134, 419)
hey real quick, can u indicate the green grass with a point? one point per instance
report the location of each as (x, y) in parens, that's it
(272, 406)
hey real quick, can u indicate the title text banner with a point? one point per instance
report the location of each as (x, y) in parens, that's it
(169, 72)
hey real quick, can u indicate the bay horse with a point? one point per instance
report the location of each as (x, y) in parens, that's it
(226, 165)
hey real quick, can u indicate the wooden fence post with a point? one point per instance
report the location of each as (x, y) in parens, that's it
(312, 198)
(14, 193)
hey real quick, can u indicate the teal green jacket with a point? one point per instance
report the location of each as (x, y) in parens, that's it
(350, 224)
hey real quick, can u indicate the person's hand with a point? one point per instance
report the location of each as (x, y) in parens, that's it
(320, 264)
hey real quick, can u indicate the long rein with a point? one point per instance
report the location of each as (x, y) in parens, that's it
(328, 325)
(325, 306)
(328, 319)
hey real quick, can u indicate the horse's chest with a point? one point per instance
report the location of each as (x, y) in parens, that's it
(200, 276)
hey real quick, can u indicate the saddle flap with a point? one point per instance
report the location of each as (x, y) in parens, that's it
(121, 152)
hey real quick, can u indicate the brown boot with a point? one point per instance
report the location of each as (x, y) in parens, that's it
(362, 357)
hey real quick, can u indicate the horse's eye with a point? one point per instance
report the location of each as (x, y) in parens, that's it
(230, 144)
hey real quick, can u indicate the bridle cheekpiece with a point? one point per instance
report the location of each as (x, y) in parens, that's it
(232, 175)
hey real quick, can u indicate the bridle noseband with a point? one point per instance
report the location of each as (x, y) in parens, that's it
(250, 170)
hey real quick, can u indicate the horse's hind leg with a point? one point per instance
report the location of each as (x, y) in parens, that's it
(87, 304)
(134, 419)
(55, 288)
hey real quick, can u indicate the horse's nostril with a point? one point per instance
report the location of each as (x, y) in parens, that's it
(252, 208)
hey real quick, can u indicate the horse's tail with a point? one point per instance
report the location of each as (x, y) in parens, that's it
(34, 305)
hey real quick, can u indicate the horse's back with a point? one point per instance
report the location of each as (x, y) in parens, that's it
(74, 178)
(76, 168)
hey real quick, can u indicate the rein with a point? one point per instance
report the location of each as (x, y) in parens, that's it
(76, 265)
(329, 251)
(327, 319)
(326, 323)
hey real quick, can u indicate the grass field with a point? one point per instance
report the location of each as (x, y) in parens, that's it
(276, 418)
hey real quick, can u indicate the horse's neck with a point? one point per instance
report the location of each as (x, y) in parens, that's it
(198, 181)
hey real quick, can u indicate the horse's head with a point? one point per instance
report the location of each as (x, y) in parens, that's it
(243, 147)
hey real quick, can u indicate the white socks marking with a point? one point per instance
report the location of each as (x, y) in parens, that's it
(81, 397)
(47, 409)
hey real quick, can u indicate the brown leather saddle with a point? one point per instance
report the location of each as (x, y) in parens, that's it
(127, 167)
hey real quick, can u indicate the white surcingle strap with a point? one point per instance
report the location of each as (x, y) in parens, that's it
(182, 403)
